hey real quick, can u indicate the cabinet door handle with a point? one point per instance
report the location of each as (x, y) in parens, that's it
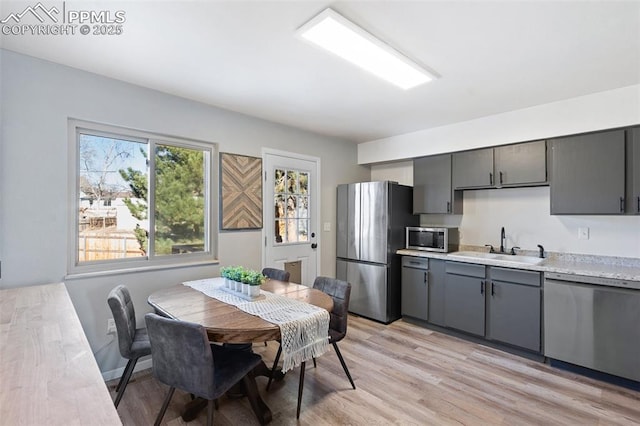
(425, 278)
(490, 178)
(492, 291)
(481, 287)
(449, 205)
(500, 178)
(638, 204)
(621, 204)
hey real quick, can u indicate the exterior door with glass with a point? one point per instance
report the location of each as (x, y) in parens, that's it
(291, 214)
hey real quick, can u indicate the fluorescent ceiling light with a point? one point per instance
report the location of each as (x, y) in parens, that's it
(342, 37)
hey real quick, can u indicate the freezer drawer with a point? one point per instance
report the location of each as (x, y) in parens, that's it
(368, 289)
(593, 326)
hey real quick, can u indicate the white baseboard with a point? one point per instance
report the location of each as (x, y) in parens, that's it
(142, 364)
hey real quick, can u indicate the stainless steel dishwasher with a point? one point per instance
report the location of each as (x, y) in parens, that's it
(593, 322)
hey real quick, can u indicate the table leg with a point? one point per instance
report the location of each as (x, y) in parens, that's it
(249, 389)
(261, 410)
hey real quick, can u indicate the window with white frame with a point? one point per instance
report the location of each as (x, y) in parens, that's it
(139, 199)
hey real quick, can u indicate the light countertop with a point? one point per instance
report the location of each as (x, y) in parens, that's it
(593, 266)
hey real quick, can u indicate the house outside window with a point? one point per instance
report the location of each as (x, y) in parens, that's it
(139, 199)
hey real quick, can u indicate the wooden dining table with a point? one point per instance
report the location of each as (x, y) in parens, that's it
(226, 323)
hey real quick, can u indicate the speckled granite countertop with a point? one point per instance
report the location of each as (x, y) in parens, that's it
(622, 268)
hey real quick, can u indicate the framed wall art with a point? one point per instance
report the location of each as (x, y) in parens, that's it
(240, 192)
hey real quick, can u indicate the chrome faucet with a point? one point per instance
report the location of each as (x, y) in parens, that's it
(503, 240)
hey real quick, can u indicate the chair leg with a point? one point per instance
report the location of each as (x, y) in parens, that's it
(210, 406)
(165, 404)
(273, 369)
(123, 374)
(314, 363)
(300, 387)
(344, 366)
(124, 380)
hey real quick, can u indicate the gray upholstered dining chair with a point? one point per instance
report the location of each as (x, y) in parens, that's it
(276, 274)
(133, 342)
(340, 292)
(183, 358)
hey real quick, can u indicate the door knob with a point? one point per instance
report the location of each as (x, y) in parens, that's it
(314, 245)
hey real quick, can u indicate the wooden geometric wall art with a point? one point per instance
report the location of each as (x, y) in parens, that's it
(241, 192)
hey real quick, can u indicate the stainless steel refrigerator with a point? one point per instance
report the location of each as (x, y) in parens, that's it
(371, 221)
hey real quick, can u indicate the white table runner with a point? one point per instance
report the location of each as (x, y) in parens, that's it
(304, 328)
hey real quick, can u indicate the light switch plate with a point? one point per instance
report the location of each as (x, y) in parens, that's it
(326, 227)
(583, 233)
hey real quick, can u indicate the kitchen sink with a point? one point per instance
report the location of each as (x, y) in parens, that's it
(516, 259)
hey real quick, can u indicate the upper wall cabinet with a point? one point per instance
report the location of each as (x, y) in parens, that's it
(633, 171)
(588, 174)
(473, 169)
(432, 189)
(523, 164)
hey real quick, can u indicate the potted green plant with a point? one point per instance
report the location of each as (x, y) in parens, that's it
(242, 280)
(255, 280)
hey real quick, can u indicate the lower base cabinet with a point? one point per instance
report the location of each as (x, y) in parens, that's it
(499, 304)
(415, 287)
(464, 306)
(514, 314)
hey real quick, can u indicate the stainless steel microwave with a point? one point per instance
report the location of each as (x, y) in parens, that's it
(441, 240)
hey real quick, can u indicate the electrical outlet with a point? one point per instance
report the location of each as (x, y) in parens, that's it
(111, 326)
(326, 226)
(583, 233)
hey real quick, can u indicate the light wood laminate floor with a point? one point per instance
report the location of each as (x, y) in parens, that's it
(408, 375)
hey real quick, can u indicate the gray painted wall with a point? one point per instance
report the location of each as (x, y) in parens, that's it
(39, 96)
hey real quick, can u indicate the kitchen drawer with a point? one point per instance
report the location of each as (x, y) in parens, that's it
(415, 262)
(461, 268)
(516, 276)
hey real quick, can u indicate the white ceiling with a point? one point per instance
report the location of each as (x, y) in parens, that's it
(492, 56)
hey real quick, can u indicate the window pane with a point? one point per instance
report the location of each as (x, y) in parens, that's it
(112, 214)
(279, 183)
(179, 200)
(279, 206)
(291, 206)
(303, 207)
(292, 181)
(292, 231)
(304, 183)
(279, 231)
(303, 230)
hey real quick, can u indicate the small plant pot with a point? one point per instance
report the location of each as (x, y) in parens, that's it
(254, 290)
(238, 286)
(228, 283)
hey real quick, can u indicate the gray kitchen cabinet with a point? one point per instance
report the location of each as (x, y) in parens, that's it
(633, 170)
(437, 286)
(464, 307)
(522, 164)
(473, 169)
(588, 174)
(415, 287)
(432, 188)
(514, 307)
